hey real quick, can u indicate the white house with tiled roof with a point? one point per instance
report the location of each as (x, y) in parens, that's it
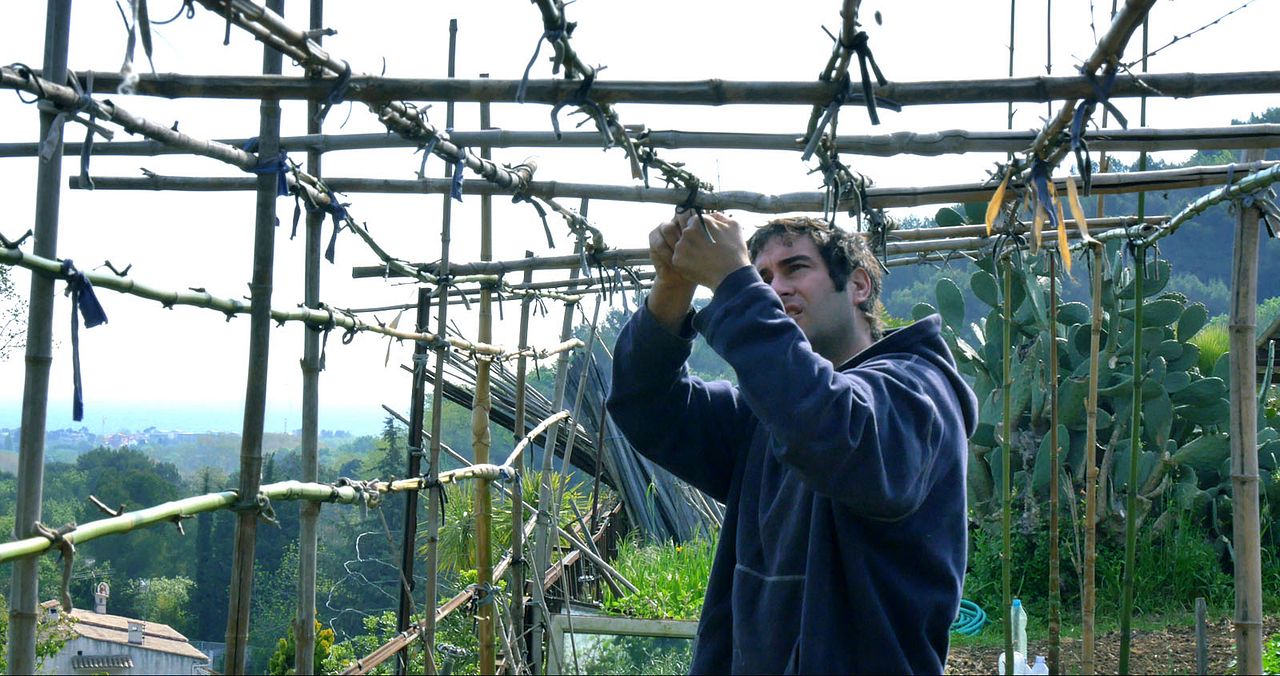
(100, 643)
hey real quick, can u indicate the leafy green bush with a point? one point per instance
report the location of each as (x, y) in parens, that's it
(672, 579)
(1271, 655)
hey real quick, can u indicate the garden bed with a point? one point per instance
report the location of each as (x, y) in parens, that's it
(1171, 650)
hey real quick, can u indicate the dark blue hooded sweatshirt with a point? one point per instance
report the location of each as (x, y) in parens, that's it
(844, 538)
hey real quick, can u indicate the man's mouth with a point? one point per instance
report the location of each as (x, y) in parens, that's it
(792, 310)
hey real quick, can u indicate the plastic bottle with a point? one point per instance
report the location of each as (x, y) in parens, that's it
(1020, 666)
(1019, 628)
(1040, 667)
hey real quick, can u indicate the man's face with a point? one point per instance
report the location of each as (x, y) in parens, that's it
(829, 318)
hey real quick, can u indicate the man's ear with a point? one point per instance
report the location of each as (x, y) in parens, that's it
(859, 286)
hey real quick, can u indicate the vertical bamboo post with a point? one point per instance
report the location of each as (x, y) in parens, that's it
(417, 406)
(1135, 447)
(519, 567)
(1013, 9)
(24, 587)
(1202, 637)
(1006, 473)
(437, 390)
(304, 629)
(255, 398)
(544, 535)
(1088, 594)
(480, 437)
(1055, 579)
(1244, 438)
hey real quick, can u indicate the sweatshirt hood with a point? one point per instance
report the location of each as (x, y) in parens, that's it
(923, 338)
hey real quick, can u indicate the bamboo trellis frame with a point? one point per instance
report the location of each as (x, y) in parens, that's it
(269, 28)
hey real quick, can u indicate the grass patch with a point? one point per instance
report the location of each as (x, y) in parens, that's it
(672, 578)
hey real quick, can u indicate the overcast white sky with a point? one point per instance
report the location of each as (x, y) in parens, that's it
(188, 366)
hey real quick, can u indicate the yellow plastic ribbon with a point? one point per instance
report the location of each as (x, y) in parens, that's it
(993, 207)
(1073, 199)
(1063, 249)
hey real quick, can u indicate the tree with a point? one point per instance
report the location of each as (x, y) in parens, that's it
(284, 660)
(49, 637)
(13, 316)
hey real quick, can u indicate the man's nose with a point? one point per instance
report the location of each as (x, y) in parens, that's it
(781, 287)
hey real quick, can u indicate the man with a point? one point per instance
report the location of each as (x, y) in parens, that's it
(843, 545)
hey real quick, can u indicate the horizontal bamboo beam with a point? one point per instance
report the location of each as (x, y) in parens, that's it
(951, 141)
(641, 256)
(178, 509)
(879, 198)
(713, 92)
(231, 306)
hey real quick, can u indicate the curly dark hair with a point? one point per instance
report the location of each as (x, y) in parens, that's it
(842, 251)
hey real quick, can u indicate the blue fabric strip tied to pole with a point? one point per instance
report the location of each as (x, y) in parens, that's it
(338, 211)
(84, 302)
(1084, 111)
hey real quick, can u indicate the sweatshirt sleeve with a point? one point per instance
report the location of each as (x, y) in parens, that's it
(694, 429)
(867, 437)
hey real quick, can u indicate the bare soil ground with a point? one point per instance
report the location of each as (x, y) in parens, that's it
(1171, 650)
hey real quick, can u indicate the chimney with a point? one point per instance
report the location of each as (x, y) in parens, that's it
(135, 632)
(100, 596)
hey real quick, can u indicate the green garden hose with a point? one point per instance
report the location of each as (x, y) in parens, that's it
(970, 620)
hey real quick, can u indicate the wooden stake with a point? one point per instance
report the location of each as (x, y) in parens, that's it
(304, 629)
(1088, 593)
(480, 438)
(518, 563)
(1006, 472)
(437, 392)
(255, 403)
(1202, 637)
(24, 586)
(1055, 473)
(1246, 529)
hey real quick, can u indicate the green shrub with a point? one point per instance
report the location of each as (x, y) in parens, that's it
(1271, 655)
(672, 579)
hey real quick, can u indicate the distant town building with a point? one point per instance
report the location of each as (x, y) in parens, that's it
(101, 643)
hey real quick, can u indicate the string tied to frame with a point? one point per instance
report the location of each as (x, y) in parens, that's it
(581, 99)
(846, 94)
(84, 302)
(337, 210)
(1079, 120)
(84, 103)
(861, 47)
(520, 196)
(261, 505)
(691, 202)
(552, 36)
(337, 94)
(279, 165)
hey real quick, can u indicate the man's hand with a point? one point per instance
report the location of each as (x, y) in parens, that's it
(672, 294)
(699, 259)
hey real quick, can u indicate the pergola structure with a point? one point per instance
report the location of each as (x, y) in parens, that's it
(849, 82)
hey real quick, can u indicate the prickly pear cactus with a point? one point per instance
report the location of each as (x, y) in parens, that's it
(1185, 413)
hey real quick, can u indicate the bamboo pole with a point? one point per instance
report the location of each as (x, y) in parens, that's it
(1006, 473)
(542, 542)
(304, 629)
(811, 201)
(241, 592)
(417, 406)
(1244, 440)
(180, 509)
(1088, 594)
(434, 511)
(837, 67)
(518, 570)
(711, 92)
(1110, 48)
(230, 306)
(966, 235)
(1135, 446)
(480, 436)
(932, 143)
(24, 586)
(1055, 467)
